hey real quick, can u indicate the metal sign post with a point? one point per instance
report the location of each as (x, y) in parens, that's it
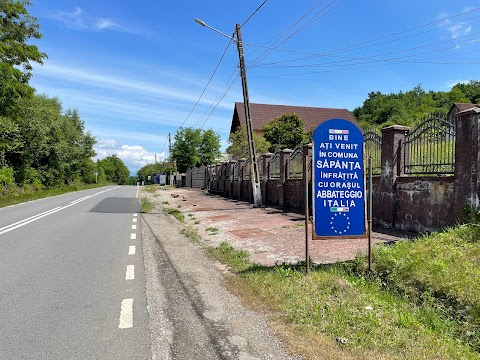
(370, 191)
(338, 180)
(306, 161)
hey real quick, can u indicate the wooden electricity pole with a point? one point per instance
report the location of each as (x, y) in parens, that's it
(254, 178)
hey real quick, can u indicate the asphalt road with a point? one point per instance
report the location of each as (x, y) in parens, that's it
(72, 283)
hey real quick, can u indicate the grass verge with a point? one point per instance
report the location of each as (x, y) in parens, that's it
(18, 198)
(407, 308)
(147, 206)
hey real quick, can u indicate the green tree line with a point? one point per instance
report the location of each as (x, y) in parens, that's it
(408, 108)
(41, 145)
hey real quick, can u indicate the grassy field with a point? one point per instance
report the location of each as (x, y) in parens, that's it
(18, 198)
(420, 301)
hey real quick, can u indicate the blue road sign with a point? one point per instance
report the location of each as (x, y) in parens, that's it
(338, 179)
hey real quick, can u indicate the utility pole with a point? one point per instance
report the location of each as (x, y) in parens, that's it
(254, 178)
(155, 166)
(169, 158)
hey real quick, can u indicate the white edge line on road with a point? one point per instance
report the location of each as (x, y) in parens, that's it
(131, 250)
(126, 314)
(33, 218)
(130, 273)
(133, 236)
(134, 227)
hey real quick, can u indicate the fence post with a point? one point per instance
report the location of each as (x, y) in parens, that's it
(467, 162)
(266, 176)
(284, 165)
(307, 150)
(393, 161)
(240, 166)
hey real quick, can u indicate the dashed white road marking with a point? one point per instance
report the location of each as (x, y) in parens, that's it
(131, 250)
(133, 236)
(134, 227)
(134, 215)
(130, 274)
(126, 314)
(134, 219)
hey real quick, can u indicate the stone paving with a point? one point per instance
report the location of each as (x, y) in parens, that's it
(270, 235)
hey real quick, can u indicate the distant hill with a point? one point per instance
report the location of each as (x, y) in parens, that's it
(408, 108)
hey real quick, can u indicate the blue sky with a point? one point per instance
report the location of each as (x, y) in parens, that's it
(135, 70)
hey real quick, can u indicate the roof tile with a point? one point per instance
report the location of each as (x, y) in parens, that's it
(262, 114)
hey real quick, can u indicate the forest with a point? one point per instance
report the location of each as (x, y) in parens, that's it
(408, 108)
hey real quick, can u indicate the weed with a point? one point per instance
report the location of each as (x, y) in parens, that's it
(212, 230)
(191, 233)
(166, 202)
(197, 222)
(151, 188)
(176, 213)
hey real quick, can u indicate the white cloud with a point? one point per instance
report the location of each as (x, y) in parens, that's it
(79, 20)
(101, 80)
(133, 156)
(451, 83)
(71, 19)
(106, 144)
(454, 28)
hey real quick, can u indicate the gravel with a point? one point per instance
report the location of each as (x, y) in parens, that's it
(192, 314)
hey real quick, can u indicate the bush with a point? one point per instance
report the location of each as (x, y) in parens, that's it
(6, 180)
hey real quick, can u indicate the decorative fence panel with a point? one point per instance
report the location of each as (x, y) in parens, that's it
(373, 148)
(275, 166)
(430, 147)
(295, 163)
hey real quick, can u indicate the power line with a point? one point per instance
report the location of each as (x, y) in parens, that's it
(359, 45)
(310, 21)
(204, 118)
(253, 14)
(208, 83)
(275, 65)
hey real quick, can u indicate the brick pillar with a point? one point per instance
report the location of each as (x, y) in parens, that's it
(266, 176)
(240, 165)
(393, 161)
(467, 162)
(231, 170)
(284, 171)
(308, 150)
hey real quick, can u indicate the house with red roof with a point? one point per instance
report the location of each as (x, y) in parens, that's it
(262, 114)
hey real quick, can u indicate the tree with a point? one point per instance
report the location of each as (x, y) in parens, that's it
(238, 141)
(17, 28)
(471, 90)
(194, 147)
(286, 131)
(210, 147)
(408, 108)
(114, 169)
